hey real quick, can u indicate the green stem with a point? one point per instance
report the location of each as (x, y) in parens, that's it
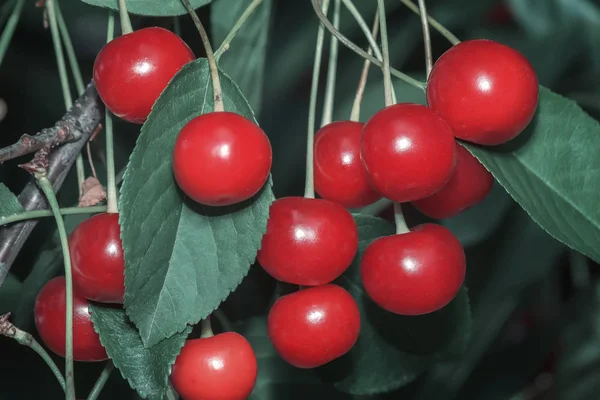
(236, 27)
(111, 186)
(331, 69)
(46, 187)
(177, 26)
(434, 23)
(10, 27)
(401, 226)
(48, 213)
(309, 185)
(426, 38)
(79, 85)
(5, 10)
(60, 56)
(206, 328)
(387, 77)
(360, 90)
(355, 48)
(362, 24)
(170, 394)
(99, 385)
(124, 15)
(212, 63)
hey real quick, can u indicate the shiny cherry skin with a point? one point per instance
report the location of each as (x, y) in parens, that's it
(132, 70)
(97, 259)
(308, 242)
(339, 173)
(414, 273)
(221, 158)
(408, 151)
(220, 367)
(469, 185)
(488, 92)
(314, 326)
(50, 317)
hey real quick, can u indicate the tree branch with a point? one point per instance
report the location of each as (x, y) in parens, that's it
(80, 121)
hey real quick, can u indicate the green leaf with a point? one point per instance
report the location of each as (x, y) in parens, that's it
(151, 8)
(147, 370)
(392, 350)
(245, 60)
(9, 204)
(553, 172)
(182, 259)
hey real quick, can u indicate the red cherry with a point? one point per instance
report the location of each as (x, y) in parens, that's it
(339, 173)
(488, 92)
(469, 185)
(221, 158)
(408, 151)
(131, 71)
(308, 242)
(221, 367)
(97, 259)
(50, 318)
(416, 272)
(314, 326)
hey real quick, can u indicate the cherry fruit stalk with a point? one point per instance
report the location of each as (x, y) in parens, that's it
(414, 273)
(131, 71)
(469, 185)
(408, 151)
(220, 367)
(221, 158)
(339, 173)
(314, 326)
(486, 91)
(97, 259)
(308, 242)
(50, 318)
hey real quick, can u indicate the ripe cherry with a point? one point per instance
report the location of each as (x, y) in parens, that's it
(221, 158)
(97, 259)
(469, 185)
(314, 326)
(50, 318)
(488, 92)
(339, 173)
(416, 272)
(308, 241)
(408, 151)
(131, 71)
(220, 367)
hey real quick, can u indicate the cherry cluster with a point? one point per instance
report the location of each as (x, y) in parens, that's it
(478, 91)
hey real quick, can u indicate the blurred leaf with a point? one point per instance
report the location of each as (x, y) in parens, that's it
(9, 204)
(244, 62)
(182, 259)
(147, 370)
(392, 350)
(153, 8)
(553, 172)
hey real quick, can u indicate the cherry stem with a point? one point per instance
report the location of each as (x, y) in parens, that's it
(124, 16)
(426, 37)
(48, 213)
(236, 27)
(24, 338)
(309, 185)
(327, 116)
(401, 226)
(212, 63)
(387, 77)
(69, 49)
(362, 83)
(46, 187)
(176, 26)
(51, 9)
(434, 23)
(355, 48)
(11, 25)
(99, 385)
(205, 328)
(111, 186)
(170, 393)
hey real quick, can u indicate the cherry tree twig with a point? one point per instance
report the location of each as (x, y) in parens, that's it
(81, 120)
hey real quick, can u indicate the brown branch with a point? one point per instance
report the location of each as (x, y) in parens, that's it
(63, 132)
(81, 120)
